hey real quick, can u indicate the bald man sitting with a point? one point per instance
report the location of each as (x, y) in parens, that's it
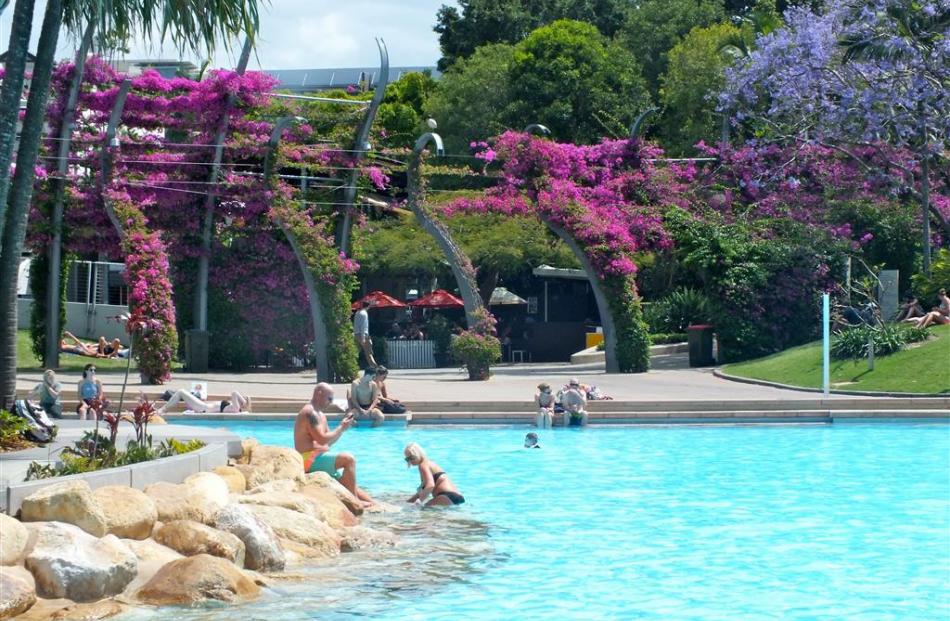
(313, 438)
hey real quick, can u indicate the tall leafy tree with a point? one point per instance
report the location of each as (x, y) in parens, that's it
(476, 22)
(569, 77)
(472, 98)
(193, 24)
(401, 113)
(690, 87)
(652, 30)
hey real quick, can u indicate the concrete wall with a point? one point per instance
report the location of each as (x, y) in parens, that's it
(171, 469)
(87, 321)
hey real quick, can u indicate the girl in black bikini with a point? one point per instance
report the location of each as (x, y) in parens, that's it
(435, 481)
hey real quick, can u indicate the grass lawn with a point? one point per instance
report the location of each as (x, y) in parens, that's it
(26, 361)
(923, 368)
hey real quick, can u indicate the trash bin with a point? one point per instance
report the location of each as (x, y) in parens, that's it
(196, 350)
(700, 339)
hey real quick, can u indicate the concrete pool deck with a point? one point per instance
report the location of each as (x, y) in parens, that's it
(671, 390)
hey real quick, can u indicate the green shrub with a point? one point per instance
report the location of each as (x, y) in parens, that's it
(656, 339)
(476, 352)
(441, 334)
(853, 343)
(678, 310)
(39, 268)
(926, 288)
(477, 349)
(633, 337)
(78, 459)
(664, 339)
(12, 428)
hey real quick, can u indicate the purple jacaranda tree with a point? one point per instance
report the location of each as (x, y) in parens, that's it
(857, 73)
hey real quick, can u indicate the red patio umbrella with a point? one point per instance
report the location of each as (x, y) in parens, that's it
(378, 299)
(440, 298)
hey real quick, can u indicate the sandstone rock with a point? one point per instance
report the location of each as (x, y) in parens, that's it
(334, 512)
(152, 557)
(157, 420)
(89, 612)
(280, 486)
(247, 447)
(197, 579)
(363, 538)
(287, 500)
(183, 502)
(20, 572)
(323, 479)
(129, 512)
(262, 549)
(233, 477)
(211, 486)
(191, 538)
(17, 593)
(150, 551)
(274, 462)
(68, 562)
(13, 540)
(249, 473)
(71, 502)
(321, 540)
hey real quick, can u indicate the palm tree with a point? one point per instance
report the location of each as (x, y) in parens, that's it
(194, 24)
(11, 91)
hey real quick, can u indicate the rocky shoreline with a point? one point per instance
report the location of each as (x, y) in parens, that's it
(220, 536)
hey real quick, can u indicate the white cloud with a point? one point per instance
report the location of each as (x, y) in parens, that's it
(301, 34)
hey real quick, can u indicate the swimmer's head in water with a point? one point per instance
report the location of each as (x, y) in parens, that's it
(531, 440)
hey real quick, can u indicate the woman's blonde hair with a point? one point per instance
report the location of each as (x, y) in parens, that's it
(414, 452)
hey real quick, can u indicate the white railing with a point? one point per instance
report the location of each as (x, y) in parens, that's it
(411, 354)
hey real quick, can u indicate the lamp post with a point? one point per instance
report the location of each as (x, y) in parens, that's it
(635, 128)
(537, 128)
(458, 261)
(361, 147)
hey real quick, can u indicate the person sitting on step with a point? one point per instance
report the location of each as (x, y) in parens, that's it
(363, 398)
(574, 401)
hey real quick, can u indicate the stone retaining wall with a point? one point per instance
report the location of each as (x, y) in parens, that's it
(168, 469)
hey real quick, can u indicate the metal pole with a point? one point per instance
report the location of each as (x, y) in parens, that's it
(925, 204)
(826, 344)
(53, 276)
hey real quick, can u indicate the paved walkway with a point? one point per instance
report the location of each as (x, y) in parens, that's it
(670, 379)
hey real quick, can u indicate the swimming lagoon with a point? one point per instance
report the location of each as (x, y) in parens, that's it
(667, 522)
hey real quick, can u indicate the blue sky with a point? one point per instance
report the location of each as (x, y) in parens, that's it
(303, 34)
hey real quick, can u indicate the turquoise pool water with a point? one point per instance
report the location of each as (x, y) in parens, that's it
(681, 523)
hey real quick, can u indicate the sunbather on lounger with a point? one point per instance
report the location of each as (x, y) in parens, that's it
(238, 403)
(79, 348)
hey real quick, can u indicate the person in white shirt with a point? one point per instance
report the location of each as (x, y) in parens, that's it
(361, 334)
